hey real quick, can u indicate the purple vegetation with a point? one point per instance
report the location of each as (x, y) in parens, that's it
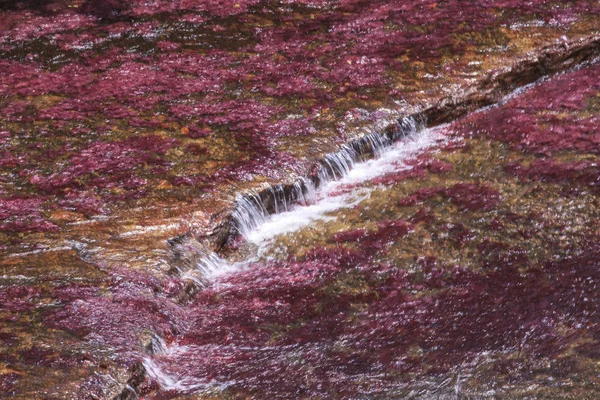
(19, 298)
(473, 197)
(467, 196)
(23, 215)
(418, 169)
(215, 68)
(460, 313)
(134, 304)
(8, 382)
(84, 91)
(105, 9)
(387, 232)
(584, 173)
(104, 165)
(549, 118)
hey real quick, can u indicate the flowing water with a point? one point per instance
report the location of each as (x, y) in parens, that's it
(404, 275)
(338, 173)
(342, 184)
(454, 262)
(339, 186)
(347, 191)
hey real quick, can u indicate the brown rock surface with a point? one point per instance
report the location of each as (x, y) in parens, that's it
(124, 127)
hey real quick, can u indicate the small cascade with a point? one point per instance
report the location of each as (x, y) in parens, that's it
(277, 209)
(343, 193)
(194, 261)
(207, 268)
(164, 380)
(337, 165)
(280, 200)
(172, 380)
(212, 265)
(306, 191)
(249, 213)
(253, 210)
(405, 127)
(377, 143)
(158, 345)
(260, 217)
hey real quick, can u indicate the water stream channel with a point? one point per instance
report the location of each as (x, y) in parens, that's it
(312, 199)
(403, 275)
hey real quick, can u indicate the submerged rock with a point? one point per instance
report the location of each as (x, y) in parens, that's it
(488, 291)
(126, 132)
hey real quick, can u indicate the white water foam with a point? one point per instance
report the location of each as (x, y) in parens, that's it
(332, 196)
(170, 382)
(251, 211)
(313, 205)
(213, 266)
(208, 269)
(308, 204)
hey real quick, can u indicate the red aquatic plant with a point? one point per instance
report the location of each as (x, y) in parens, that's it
(467, 196)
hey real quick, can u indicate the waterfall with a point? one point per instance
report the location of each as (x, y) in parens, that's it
(249, 213)
(344, 193)
(254, 209)
(212, 265)
(158, 344)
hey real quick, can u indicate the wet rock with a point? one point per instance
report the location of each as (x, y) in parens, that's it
(123, 126)
(445, 300)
